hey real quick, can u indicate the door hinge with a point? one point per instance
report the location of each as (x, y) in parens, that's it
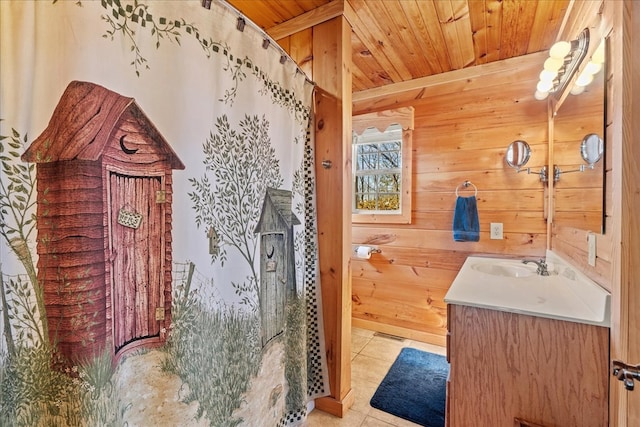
(159, 313)
(161, 196)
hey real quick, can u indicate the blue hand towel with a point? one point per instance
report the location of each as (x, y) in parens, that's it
(466, 226)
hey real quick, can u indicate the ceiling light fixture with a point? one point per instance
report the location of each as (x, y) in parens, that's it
(592, 68)
(561, 65)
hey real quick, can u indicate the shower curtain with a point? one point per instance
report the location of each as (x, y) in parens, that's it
(158, 252)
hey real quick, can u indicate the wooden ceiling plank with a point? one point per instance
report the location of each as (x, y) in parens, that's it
(526, 20)
(367, 72)
(510, 28)
(373, 37)
(409, 39)
(401, 32)
(422, 37)
(436, 36)
(453, 17)
(307, 20)
(444, 12)
(261, 13)
(478, 30)
(517, 22)
(544, 29)
(493, 18)
(462, 24)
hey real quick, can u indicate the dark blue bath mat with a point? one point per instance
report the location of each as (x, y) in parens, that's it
(415, 388)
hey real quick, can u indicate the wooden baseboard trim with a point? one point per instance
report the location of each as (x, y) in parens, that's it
(336, 407)
(425, 337)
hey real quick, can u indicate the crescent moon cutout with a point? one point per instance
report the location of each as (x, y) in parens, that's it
(125, 149)
(272, 251)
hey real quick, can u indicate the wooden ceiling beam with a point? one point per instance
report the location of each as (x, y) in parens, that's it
(307, 20)
(394, 94)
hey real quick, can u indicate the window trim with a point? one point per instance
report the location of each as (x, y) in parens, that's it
(382, 120)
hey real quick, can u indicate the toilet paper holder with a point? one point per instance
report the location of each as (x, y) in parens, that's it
(369, 249)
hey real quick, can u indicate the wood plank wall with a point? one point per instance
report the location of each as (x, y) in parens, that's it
(462, 130)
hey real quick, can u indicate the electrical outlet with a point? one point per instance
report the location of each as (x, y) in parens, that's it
(591, 243)
(496, 230)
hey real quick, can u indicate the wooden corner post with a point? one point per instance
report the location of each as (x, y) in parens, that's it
(332, 74)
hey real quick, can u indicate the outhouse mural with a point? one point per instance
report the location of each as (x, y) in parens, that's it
(104, 176)
(277, 261)
(158, 233)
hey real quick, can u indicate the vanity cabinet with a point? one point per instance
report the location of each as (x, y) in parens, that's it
(510, 369)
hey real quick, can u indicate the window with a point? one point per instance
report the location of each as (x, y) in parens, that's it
(382, 166)
(377, 159)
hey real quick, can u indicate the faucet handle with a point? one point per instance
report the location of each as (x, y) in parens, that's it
(542, 266)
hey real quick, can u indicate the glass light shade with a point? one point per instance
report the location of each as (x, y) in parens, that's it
(544, 86)
(584, 79)
(540, 95)
(548, 75)
(553, 64)
(577, 90)
(560, 49)
(592, 68)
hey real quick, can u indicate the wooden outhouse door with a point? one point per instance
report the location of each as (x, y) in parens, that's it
(273, 285)
(137, 255)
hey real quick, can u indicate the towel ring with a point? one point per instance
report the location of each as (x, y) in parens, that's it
(465, 185)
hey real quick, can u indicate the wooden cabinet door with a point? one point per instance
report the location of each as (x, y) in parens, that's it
(543, 371)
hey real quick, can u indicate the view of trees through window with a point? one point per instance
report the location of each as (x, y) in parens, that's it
(377, 169)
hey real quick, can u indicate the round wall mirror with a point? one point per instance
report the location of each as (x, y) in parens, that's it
(592, 148)
(518, 154)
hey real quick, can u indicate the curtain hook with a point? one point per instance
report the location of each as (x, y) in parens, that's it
(240, 24)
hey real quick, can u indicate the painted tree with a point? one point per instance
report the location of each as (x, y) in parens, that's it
(17, 223)
(240, 165)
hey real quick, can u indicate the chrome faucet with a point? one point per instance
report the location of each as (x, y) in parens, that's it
(542, 266)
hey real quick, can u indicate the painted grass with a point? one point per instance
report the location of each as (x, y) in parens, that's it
(33, 394)
(295, 355)
(216, 354)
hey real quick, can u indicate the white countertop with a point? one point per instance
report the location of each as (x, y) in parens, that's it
(566, 294)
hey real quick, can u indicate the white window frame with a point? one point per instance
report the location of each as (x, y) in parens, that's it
(382, 121)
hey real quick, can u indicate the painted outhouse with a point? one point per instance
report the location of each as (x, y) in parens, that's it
(277, 261)
(104, 192)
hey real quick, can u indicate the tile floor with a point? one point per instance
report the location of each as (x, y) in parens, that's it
(371, 357)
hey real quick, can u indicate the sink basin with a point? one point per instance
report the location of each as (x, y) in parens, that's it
(504, 269)
(509, 285)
